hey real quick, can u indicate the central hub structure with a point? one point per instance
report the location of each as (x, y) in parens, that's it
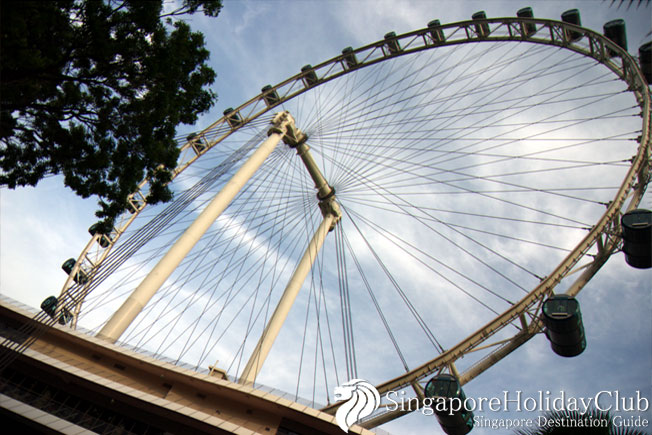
(330, 210)
(296, 139)
(283, 128)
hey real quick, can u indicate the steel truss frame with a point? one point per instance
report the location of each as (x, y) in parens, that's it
(602, 240)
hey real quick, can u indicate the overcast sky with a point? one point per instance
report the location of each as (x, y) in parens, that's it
(260, 42)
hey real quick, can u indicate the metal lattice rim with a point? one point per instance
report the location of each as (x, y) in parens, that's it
(605, 233)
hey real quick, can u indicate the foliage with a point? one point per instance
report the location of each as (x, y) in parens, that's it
(94, 90)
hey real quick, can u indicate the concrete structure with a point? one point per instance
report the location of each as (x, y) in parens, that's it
(73, 383)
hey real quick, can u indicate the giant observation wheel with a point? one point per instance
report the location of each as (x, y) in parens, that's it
(476, 169)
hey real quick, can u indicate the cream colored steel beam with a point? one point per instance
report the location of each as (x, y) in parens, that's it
(323, 189)
(122, 318)
(274, 325)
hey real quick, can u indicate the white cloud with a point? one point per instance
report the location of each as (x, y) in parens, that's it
(265, 42)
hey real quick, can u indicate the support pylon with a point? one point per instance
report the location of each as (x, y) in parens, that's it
(283, 124)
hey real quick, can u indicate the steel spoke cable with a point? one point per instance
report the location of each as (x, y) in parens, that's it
(307, 237)
(385, 127)
(453, 81)
(312, 296)
(446, 170)
(158, 250)
(360, 131)
(119, 255)
(288, 182)
(402, 244)
(267, 252)
(402, 203)
(505, 92)
(254, 190)
(345, 308)
(505, 236)
(522, 126)
(393, 210)
(414, 179)
(374, 300)
(529, 157)
(376, 100)
(278, 269)
(273, 270)
(188, 261)
(444, 85)
(372, 186)
(366, 201)
(247, 334)
(471, 130)
(319, 299)
(424, 327)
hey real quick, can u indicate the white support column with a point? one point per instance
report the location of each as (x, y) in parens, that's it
(122, 318)
(287, 300)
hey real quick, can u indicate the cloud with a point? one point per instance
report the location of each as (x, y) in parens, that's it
(253, 44)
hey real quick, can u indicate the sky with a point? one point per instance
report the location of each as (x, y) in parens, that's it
(254, 43)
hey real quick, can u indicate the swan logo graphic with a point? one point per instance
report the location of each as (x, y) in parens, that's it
(362, 399)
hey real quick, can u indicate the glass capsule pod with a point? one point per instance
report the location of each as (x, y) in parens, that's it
(572, 16)
(481, 29)
(436, 33)
(645, 60)
(616, 31)
(564, 328)
(349, 57)
(449, 404)
(637, 238)
(80, 278)
(392, 43)
(270, 95)
(232, 117)
(309, 75)
(528, 29)
(104, 240)
(49, 306)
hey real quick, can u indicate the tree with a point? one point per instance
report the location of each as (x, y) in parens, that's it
(94, 90)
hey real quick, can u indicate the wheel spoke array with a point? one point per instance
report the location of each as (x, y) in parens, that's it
(465, 174)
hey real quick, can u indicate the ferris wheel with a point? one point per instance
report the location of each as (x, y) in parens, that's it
(413, 209)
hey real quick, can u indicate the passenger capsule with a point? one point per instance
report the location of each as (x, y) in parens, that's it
(197, 144)
(49, 306)
(528, 29)
(447, 395)
(637, 238)
(270, 95)
(572, 16)
(232, 117)
(135, 205)
(645, 59)
(482, 29)
(392, 43)
(104, 240)
(81, 277)
(436, 33)
(615, 30)
(349, 58)
(564, 328)
(309, 75)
